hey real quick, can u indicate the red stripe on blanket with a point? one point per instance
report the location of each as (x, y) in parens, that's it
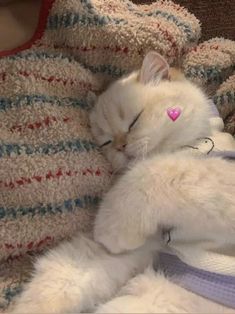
(2, 77)
(115, 49)
(213, 46)
(110, 49)
(174, 47)
(30, 246)
(52, 79)
(50, 175)
(46, 122)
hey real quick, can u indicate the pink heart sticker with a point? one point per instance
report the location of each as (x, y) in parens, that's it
(174, 113)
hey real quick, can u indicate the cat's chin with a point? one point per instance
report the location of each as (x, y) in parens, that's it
(121, 163)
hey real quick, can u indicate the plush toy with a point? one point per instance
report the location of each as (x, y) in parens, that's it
(219, 143)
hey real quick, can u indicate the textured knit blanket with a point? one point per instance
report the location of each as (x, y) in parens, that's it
(51, 173)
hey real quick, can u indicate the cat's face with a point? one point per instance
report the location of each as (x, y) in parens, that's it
(115, 123)
(130, 119)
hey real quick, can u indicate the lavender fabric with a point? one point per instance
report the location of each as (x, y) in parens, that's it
(216, 287)
(214, 110)
(224, 154)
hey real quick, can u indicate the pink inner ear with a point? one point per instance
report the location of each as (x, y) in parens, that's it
(154, 69)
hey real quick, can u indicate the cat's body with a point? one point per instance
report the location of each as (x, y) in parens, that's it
(188, 198)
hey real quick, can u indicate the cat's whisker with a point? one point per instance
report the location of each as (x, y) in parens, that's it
(117, 170)
(138, 144)
(145, 149)
(140, 147)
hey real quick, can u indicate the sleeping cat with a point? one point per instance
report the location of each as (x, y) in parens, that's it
(169, 211)
(130, 118)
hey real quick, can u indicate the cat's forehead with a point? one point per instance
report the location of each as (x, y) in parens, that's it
(112, 116)
(124, 99)
(115, 111)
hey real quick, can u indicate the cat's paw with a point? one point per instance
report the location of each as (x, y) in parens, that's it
(53, 289)
(118, 239)
(64, 280)
(116, 233)
(124, 221)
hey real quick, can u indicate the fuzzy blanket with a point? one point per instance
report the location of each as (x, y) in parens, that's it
(52, 174)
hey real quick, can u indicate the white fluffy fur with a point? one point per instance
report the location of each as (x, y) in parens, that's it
(78, 275)
(193, 195)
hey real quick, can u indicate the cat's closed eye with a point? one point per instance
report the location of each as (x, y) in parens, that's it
(106, 143)
(129, 129)
(135, 120)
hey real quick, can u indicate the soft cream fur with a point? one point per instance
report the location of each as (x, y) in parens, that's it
(193, 195)
(79, 275)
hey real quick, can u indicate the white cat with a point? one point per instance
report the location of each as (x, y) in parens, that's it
(130, 118)
(167, 201)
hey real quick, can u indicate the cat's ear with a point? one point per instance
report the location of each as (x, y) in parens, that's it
(154, 69)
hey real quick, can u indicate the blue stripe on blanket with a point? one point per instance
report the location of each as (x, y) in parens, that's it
(76, 145)
(85, 202)
(69, 19)
(210, 74)
(102, 68)
(9, 293)
(224, 98)
(17, 101)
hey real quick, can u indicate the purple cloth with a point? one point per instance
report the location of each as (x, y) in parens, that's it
(224, 154)
(216, 287)
(229, 154)
(214, 110)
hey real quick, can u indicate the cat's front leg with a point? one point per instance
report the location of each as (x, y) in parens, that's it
(76, 277)
(125, 217)
(192, 196)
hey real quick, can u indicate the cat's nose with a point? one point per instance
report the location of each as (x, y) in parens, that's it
(121, 147)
